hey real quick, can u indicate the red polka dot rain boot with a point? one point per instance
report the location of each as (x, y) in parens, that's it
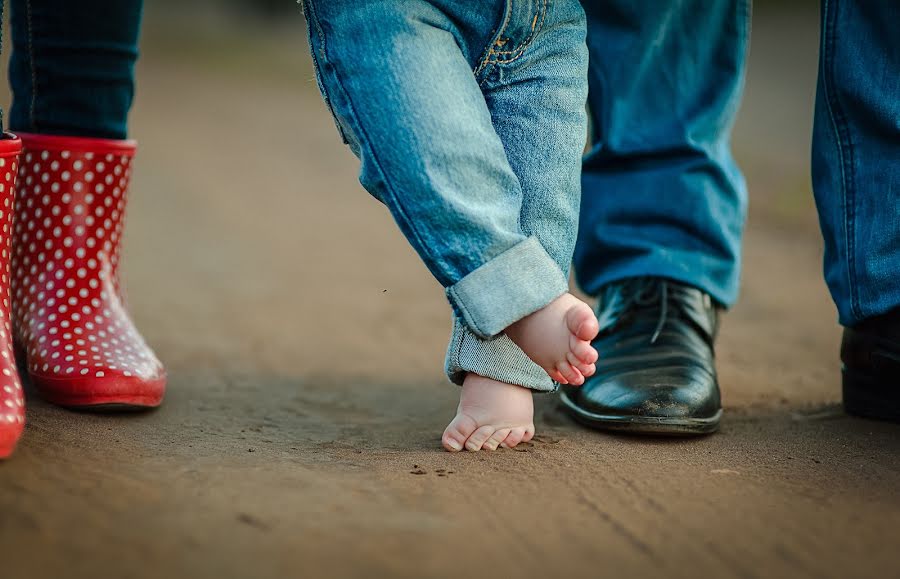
(81, 347)
(12, 399)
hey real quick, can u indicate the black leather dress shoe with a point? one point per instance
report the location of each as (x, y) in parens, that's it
(656, 373)
(870, 353)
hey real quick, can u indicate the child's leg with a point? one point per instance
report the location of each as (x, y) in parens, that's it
(536, 95)
(398, 77)
(405, 98)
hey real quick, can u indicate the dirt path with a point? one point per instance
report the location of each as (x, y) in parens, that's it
(304, 341)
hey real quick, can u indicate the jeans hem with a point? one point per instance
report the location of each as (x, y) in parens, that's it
(516, 283)
(725, 296)
(498, 359)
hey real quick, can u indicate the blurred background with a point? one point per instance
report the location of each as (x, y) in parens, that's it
(304, 342)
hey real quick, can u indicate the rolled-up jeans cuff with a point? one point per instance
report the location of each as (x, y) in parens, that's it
(497, 358)
(516, 283)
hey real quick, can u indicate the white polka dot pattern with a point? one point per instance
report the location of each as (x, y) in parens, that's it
(12, 399)
(68, 304)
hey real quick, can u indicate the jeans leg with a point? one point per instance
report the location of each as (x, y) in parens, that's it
(536, 95)
(405, 97)
(662, 195)
(856, 155)
(72, 66)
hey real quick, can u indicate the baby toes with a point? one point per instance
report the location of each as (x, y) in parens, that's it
(557, 376)
(457, 432)
(514, 438)
(529, 434)
(479, 437)
(582, 322)
(494, 441)
(585, 369)
(571, 375)
(583, 350)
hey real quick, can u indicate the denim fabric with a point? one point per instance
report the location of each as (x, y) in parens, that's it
(856, 155)
(662, 195)
(469, 122)
(72, 66)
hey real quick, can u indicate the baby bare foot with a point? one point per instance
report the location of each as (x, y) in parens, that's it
(558, 339)
(490, 414)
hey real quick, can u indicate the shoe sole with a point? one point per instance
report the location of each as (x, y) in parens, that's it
(6, 450)
(868, 396)
(644, 425)
(99, 403)
(8, 444)
(149, 396)
(103, 404)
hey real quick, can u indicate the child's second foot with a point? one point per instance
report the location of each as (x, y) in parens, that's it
(558, 339)
(490, 414)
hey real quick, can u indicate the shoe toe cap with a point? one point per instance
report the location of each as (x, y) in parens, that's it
(678, 392)
(103, 387)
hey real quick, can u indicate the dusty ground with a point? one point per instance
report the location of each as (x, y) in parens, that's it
(304, 340)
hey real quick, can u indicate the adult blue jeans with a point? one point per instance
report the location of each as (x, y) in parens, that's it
(469, 121)
(662, 195)
(72, 66)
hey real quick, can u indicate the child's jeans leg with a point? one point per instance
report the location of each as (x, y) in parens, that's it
(399, 79)
(536, 94)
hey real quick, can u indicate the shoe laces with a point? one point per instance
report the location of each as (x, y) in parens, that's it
(623, 300)
(655, 293)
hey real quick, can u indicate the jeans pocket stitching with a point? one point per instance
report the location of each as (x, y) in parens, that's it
(486, 59)
(537, 24)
